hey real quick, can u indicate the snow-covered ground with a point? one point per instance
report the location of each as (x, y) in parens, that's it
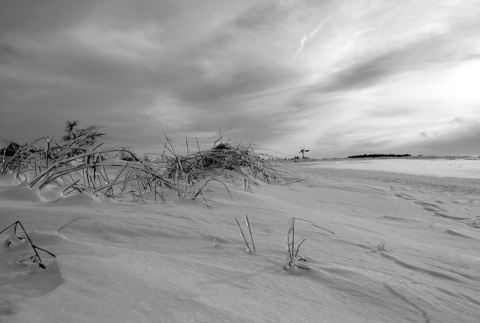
(406, 248)
(462, 168)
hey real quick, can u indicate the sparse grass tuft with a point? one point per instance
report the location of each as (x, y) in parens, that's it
(294, 260)
(243, 235)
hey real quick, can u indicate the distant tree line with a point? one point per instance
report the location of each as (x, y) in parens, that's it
(380, 156)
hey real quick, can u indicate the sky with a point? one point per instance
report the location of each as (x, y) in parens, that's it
(336, 77)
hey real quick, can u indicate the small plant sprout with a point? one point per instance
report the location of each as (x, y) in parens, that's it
(14, 239)
(293, 258)
(243, 235)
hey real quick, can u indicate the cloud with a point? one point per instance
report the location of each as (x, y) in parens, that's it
(87, 73)
(458, 138)
(310, 35)
(264, 15)
(39, 17)
(8, 53)
(434, 51)
(374, 75)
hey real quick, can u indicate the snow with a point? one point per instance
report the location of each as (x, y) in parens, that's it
(405, 249)
(460, 168)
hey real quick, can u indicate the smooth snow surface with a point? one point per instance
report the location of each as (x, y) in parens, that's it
(461, 168)
(406, 249)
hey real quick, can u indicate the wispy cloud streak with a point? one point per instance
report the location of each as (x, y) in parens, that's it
(309, 36)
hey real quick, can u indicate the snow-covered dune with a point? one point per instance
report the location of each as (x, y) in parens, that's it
(405, 249)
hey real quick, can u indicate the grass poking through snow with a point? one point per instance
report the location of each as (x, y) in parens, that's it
(294, 260)
(15, 239)
(247, 222)
(79, 164)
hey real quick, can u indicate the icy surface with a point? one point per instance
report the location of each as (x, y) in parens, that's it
(405, 249)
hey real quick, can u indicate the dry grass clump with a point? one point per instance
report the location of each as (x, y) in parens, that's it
(31, 156)
(232, 161)
(42, 152)
(78, 164)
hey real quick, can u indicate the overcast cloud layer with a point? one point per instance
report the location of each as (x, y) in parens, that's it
(337, 77)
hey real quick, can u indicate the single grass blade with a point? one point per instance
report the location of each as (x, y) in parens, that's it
(244, 239)
(251, 236)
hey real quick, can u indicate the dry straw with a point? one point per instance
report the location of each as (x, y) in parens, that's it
(79, 164)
